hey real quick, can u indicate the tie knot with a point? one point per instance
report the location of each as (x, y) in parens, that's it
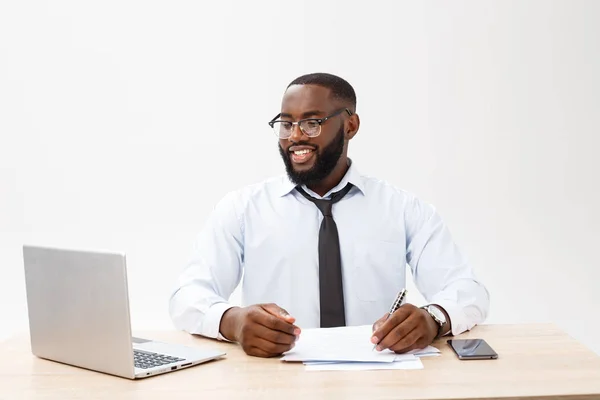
(325, 206)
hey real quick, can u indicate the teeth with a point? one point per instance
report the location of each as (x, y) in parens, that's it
(302, 152)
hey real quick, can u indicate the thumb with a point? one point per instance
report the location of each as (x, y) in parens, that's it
(379, 322)
(376, 326)
(278, 312)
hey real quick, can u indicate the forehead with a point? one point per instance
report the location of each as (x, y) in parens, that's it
(299, 99)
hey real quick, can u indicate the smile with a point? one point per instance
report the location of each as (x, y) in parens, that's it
(301, 156)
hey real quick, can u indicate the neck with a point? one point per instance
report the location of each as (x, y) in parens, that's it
(332, 179)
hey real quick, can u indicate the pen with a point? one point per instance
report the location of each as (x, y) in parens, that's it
(396, 305)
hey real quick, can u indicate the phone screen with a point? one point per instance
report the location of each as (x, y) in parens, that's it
(472, 349)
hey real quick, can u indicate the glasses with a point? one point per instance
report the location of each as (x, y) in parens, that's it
(311, 127)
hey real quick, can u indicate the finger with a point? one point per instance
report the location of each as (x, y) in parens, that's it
(256, 352)
(386, 327)
(408, 342)
(410, 348)
(272, 349)
(267, 319)
(398, 333)
(279, 312)
(273, 336)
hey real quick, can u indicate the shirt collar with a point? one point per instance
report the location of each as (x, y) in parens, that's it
(352, 176)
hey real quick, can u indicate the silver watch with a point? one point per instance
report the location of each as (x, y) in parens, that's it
(438, 316)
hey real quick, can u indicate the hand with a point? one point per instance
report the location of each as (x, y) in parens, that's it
(407, 329)
(263, 330)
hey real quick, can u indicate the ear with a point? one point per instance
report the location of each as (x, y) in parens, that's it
(352, 125)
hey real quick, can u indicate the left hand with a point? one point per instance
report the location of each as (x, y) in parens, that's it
(407, 329)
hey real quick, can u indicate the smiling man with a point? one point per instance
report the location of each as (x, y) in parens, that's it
(323, 245)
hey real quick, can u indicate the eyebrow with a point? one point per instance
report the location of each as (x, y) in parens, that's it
(313, 113)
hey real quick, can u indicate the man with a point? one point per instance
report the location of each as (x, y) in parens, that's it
(324, 246)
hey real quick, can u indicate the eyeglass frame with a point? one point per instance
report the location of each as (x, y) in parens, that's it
(320, 121)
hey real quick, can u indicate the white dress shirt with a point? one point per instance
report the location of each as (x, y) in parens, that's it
(266, 236)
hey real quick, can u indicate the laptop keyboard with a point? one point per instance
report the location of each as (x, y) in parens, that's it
(145, 359)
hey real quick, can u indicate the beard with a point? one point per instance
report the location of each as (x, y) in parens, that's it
(325, 161)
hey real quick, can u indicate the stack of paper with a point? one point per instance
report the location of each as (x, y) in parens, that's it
(349, 348)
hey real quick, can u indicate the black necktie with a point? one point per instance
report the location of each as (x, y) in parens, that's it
(331, 291)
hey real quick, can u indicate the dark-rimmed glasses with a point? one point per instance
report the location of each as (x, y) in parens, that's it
(311, 127)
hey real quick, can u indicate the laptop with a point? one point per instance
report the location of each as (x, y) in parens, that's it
(78, 306)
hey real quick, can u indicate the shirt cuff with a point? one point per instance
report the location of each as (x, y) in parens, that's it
(211, 322)
(459, 321)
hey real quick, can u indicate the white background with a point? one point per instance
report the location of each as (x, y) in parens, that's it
(122, 123)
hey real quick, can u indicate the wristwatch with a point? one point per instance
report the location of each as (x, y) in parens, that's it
(438, 316)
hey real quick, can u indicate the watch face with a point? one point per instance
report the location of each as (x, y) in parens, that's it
(438, 313)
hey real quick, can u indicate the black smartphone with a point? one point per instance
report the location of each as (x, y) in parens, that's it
(472, 349)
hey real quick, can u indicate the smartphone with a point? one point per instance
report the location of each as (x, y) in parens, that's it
(472, 349)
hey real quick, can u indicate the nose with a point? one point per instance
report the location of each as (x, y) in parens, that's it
(296, 134)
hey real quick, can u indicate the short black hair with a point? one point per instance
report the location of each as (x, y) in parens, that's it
(340, 88)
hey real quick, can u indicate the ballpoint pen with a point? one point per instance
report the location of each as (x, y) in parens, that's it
(396, 305)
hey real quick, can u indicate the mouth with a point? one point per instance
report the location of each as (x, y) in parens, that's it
(301, 155)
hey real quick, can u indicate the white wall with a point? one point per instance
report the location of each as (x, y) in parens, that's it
(122, 123)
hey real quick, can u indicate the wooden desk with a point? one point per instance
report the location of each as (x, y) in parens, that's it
(536, 361)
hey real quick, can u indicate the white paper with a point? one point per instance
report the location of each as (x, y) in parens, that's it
(397, 358)
(421, 355)
(364, 366)
(405, 357)
(427, 351)
(348, 343)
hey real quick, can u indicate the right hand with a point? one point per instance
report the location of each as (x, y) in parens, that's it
(263, 330)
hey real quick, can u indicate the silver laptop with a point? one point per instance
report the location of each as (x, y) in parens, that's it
(78, 307)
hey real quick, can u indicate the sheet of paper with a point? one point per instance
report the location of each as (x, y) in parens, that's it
(364, 366)
(397, 358)
(427, 351)
(421, 355)
(405, 357)
(348, 343)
